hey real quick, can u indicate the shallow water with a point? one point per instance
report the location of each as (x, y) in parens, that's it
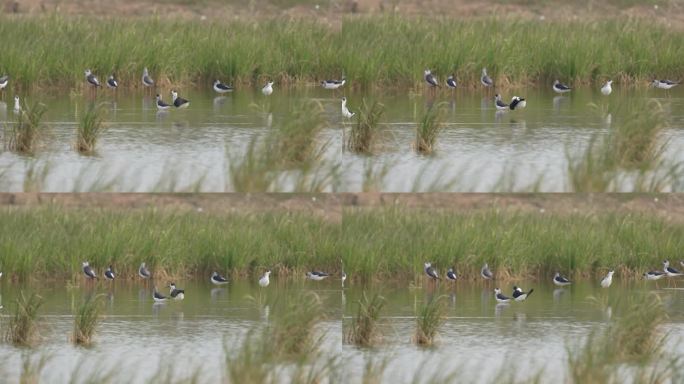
(479, 337)
(479, 150)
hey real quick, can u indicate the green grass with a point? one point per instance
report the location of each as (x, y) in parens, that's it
(365, 132)
(90, 128)
(364, 330)
(27, 130)
(429, 319)
(375, 243)
(428, 128)
(22, 329)
(86, 317)
(55, 50)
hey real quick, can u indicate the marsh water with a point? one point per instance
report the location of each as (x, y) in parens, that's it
(191, 149)
(138, 340)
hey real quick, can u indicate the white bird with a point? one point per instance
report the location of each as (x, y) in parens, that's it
(430, 79)
(91, 79)
(267, 89)
(264, 281)
(451, 275)
(17, 105)
(316, 275)
(143, 271)
(333, 84)
(671, 272)
(517, 103)
(4, 80)
(451, 82)
(559, 87)
(560, 280)
(158, 297)
(608, 280)
(179, 102)
(500, 105)
(161, 105)
(607, 89)
(222, 88)
(146, 79)
(654, 275)
(345, 111)
(664, 84)
(485, 79)
(88, 271)
(111, 82)
(176, 294)
(109, 273)
(500, 297)
(486, 273)
(431, 272)
(520, 295)
(217, 279)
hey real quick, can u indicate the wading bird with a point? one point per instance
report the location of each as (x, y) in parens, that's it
(217, 279)
(559, 87)
(560, 280)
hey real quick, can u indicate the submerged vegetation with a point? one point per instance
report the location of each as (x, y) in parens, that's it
(428, 128)
(42, 50)
(377, 243)
(428, 320)
(22, 329)
(365, 132)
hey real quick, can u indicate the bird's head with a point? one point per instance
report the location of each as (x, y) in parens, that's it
(85, 264)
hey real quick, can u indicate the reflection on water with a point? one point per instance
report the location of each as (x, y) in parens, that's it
(137, 334)
(143, 146)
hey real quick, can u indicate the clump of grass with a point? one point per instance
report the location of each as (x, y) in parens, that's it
(27, 129)
(293, 331)
(85, 320)
(296, 138)
(366, 130)
(428, 128)
(23, 328)
(90, 128)
(634, 341)
(430, 318)
(364, 330)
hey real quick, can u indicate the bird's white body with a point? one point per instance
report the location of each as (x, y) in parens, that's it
(4, 80)
(143, 272)
(664, 84)
(345, 111)
(485, 79)
(430, 79)
(486, 273)
(112, 83)
(267, 89)
(558, 87)
(179, 102)
(654, 275)
(146, 79)
(500, 105)
(520, 295)
(176, 294)
(607, 88)
(17, 104)
(316, 275)
(517, 103)
(217, 279)
(264, 281)
(560, 280)
(92, 79)
(88, 271)
(161, 105)
(669, 271)
(500, 297)
(608, 280)
(333, 84)
(431, 272)
(219, 87)
(451, 82)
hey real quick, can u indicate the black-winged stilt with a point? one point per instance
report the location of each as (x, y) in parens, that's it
(430, 79)
(219, 87)
(669, 271)
(109, 273)
(144, 272)
(217, 279)
(517, 103)
(430, 271)
(500, 297)
(485, 79)
(451, 275)
(158, 297)
(560, 280)
(267, 89)
(92, 79)
(520, 295)
(175, 293)
(316, 275)
(607, 88)
(486, 273)
(345, 111)
(178, 101)
(500, 105)
(88, 271)
(333, 84)
(264, 281)
(559, 87)
(146, 79)
(161, 105)
(607, 280)
(111, 82)
(451, 81)
(664, 84)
